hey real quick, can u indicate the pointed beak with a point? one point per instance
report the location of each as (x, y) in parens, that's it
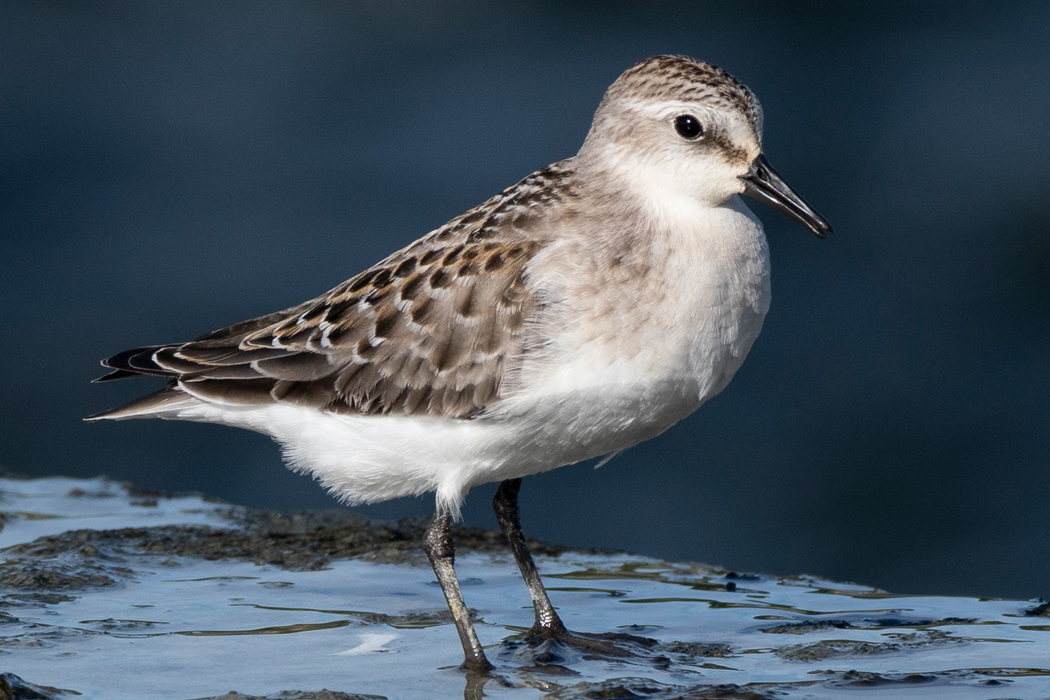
(763, 183)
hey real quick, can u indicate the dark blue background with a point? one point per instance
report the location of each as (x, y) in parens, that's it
(169, 168)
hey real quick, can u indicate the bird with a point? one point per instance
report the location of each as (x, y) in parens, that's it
(583, 310)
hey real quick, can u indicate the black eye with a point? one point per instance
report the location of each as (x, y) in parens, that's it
(688, 127)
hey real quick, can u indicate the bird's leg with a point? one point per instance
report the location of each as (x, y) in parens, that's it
(548, 625)
(437, 543)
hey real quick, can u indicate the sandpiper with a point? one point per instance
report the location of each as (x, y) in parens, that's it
(585, 309)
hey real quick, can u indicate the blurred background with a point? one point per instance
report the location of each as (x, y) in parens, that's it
(168, 168)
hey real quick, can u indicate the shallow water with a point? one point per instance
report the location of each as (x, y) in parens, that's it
(109, 619)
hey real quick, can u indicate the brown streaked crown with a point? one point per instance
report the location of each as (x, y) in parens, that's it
(688, 80)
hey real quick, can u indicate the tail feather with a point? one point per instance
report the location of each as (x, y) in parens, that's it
(166, 401)
(136, 361)
(115, 374)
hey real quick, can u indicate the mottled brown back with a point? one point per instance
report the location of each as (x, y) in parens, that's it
(430, 330)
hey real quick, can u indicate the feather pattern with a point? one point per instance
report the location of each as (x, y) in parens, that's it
(431, 330)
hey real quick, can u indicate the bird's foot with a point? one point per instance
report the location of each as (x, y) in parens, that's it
(600, 644)
(554, 649)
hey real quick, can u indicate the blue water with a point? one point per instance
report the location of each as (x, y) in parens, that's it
(178, 627)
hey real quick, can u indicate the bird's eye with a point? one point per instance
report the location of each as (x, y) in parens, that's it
(688, 127)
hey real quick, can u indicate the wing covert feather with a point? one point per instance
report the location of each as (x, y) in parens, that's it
(427, 331)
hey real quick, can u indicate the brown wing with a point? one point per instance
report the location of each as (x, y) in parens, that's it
(428, 331)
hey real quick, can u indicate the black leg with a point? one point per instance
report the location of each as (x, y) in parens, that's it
(548, 625)
(437, 543)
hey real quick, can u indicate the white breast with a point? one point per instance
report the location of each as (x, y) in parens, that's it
(630, 357)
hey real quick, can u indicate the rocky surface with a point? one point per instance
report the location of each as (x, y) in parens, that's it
(111, 592)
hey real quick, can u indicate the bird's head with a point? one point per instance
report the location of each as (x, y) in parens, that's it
(679, 125)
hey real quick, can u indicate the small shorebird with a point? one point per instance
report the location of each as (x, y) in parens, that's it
(585, 309)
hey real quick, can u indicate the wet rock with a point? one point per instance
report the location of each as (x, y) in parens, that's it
(807, 626)
(742, 577)
(298, 541)
(865, 679)
(295, 695)
(14, 688)
(1041, 610)
(652, 690)
(36, 636)
(53, 577)
(835, 648)
(33, 600)
(81, 493)
(697, 650)
(956, 678)
(112, 626)
(830, 649)
(415, 620)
